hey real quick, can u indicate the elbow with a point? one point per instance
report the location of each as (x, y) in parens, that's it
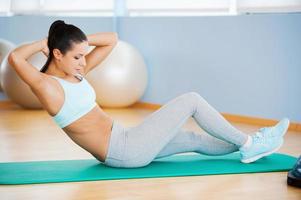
(115, 38)
(12, 58)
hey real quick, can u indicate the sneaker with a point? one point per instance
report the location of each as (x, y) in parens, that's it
(265, 142)
(279, 129)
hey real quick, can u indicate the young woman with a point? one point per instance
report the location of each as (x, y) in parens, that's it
(67, 96)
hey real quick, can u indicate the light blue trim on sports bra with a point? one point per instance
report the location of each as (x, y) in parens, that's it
(79, 100)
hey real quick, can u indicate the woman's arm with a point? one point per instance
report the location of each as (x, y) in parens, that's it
(18, 60)
(104, 43)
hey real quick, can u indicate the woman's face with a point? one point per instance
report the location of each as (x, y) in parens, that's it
(73, 61)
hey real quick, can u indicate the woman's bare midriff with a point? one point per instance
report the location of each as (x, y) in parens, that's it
(92, 132)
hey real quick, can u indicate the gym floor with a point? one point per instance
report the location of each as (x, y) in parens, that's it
(27, 135)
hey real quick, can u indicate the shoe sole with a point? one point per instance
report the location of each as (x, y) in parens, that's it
(249, 160)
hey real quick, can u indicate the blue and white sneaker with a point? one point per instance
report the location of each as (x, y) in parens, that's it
(265, 142)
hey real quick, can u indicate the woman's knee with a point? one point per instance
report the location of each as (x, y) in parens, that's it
(194, 96)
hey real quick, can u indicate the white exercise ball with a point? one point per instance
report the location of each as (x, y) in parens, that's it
(5, 48)
(15, 88)
(121, 79)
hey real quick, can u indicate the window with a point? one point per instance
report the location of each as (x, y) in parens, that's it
(4, 7)
(209, 7)
(146, 7)
(180, 7)
(268, 6)
(61, 7)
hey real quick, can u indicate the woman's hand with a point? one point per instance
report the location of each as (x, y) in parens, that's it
(45, 50)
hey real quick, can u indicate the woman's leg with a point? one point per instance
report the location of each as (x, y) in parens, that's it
(144, 141)
(189, 141)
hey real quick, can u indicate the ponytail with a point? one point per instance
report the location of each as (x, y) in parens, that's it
(61, 36)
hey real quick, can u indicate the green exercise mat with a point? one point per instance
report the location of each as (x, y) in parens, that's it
(176, 165)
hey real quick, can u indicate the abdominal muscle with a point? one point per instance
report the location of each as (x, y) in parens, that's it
(92, 132)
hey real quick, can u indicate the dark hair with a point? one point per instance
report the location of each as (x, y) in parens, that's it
(61, 36)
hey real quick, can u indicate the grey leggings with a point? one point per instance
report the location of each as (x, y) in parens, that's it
(160, 134)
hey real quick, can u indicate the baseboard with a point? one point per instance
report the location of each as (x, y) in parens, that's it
(231, 117)
(6, 104)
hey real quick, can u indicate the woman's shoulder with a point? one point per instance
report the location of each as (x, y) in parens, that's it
(50, 94)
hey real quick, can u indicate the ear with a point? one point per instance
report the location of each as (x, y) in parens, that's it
(57, 54)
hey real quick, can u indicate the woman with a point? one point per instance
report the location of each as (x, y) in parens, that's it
(67, 96)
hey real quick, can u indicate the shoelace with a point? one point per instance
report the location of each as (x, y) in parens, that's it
(259, 137)
(263, 134)
(267, 131)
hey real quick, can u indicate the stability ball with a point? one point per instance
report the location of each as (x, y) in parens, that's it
(5, 48)
(120, 80)
(15, 88)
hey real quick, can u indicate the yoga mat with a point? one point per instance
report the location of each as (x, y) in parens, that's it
(176, 165)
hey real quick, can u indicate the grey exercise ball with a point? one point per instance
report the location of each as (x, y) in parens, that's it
(15, 88)
(120, 80)
(5, 48)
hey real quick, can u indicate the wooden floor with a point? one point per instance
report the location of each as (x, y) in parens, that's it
(32, 135)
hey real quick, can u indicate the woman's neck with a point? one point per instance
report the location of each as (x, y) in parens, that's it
(53, 70)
